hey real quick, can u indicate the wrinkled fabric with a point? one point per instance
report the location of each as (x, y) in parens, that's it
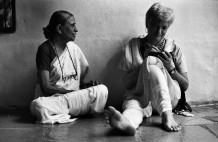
(155, 90)
(131, 59)
(66, 70)
(59, 109)
(153, 85)
(68, 63)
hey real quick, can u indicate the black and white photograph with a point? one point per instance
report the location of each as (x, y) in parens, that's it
(108, 71)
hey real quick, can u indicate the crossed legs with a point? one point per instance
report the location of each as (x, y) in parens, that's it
(50, 109)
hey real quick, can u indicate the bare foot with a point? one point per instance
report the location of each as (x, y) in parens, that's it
(169, 122)
(116, 120)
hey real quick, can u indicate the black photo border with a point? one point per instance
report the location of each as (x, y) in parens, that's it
(11, 29)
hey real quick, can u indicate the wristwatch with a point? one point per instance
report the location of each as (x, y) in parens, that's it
(171, 72)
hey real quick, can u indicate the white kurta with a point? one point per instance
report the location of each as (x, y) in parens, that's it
(154, 88)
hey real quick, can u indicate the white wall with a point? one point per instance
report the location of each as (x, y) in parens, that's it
(103, 26)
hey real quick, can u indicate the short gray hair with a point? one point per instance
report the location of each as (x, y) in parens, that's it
(160, 12)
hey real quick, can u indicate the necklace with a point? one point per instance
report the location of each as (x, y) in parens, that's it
(160, 45)
(62, 73)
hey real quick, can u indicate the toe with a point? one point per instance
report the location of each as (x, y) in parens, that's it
(179, 127)
(176, 128)
(168, 128)
(111, 110)
(106, 113)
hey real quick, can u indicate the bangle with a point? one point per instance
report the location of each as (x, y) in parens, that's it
(171, 72)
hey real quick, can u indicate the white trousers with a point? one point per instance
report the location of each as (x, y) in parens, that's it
(164, 93)
(53, 109)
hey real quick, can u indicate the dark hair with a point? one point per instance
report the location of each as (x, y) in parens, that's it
(160, 12)
(58, 17)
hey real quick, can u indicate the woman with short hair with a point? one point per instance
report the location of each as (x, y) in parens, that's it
(155, 73)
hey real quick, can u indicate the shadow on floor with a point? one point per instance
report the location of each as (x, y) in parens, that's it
(18, 125)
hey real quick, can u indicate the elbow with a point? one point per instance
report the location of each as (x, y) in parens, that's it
(185, 86)
(45, 90)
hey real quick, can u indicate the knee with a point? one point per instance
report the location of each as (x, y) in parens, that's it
(36, 107)
(103, 89)
(153, 68)
(33, 105)
(36, 103)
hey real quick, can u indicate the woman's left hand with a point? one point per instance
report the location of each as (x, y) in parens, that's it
(93, 83)
(89, 84)
(167, 60)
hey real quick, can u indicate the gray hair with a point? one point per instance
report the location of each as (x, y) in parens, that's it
(160, 12)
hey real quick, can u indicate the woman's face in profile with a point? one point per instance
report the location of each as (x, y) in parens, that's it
(69, 30)
(157, 29)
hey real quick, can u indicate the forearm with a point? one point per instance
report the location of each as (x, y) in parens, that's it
(130, 79)
(182, 79)
(51, 90)
(47, 88)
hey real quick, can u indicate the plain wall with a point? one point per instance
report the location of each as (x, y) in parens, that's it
(103, 26)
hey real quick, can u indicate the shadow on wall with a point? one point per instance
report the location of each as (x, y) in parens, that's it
(113, 80)
(18, 75)
(23, 88)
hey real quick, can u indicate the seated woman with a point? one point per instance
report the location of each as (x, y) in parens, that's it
(155, 75)
(61, 69)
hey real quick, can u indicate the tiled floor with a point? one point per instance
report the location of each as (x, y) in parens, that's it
(16, 125)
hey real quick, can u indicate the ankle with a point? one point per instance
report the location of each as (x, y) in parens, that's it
(167, 114)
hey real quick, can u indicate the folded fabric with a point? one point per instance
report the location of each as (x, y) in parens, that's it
(59, 118)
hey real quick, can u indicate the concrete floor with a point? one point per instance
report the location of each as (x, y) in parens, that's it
(16, 125)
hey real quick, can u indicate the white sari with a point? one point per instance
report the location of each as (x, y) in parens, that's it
(66, 70)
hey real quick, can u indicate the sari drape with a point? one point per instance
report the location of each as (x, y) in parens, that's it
(71, 65)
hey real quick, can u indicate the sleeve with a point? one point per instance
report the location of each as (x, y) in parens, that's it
(125, 61)
(180, 62)
(42, 58)
(84, 65)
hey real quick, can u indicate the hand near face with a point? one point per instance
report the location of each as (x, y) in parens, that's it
(150, 48)
(167, 60)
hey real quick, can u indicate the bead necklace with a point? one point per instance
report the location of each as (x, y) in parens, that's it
(62, 74)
